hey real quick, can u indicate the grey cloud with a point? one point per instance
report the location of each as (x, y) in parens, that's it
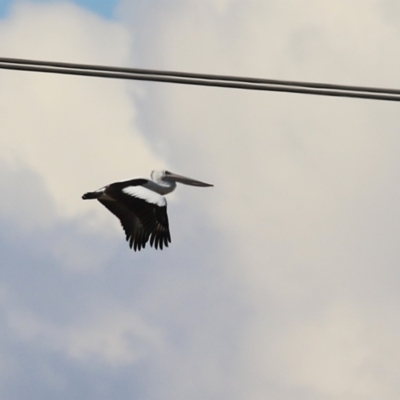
(280, 282)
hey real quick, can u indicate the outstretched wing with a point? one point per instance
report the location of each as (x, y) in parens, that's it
(143, 214)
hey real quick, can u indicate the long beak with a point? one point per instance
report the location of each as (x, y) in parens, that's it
(169, 176)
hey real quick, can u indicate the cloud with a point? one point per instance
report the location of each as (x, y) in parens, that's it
(281, 281)
(77, 134)
(113, 337)
(304, 186)
(62, 136)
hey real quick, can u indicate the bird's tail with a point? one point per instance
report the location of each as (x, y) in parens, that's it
(91, 195)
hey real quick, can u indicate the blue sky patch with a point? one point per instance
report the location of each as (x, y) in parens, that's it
(105, 8)
(4, 7)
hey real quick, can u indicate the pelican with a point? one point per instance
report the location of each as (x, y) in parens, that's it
(141, 207)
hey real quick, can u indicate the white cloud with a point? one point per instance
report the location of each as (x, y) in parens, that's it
(328, 354)
(281, 281)
(342, 354)
(76, 133)
(302, 183)
(111, 336)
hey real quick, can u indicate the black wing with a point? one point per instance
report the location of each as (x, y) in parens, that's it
(140, 220)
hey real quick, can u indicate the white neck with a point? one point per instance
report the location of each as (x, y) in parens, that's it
(161, 187)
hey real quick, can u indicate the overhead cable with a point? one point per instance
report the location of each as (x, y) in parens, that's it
(199, 79)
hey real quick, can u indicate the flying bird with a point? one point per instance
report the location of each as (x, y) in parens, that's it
(141, 207)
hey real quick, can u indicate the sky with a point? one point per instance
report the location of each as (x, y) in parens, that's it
(281, 281)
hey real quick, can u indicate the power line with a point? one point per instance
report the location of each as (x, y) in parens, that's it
(187, 78)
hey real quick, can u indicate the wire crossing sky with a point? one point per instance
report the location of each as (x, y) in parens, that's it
(224, 81)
